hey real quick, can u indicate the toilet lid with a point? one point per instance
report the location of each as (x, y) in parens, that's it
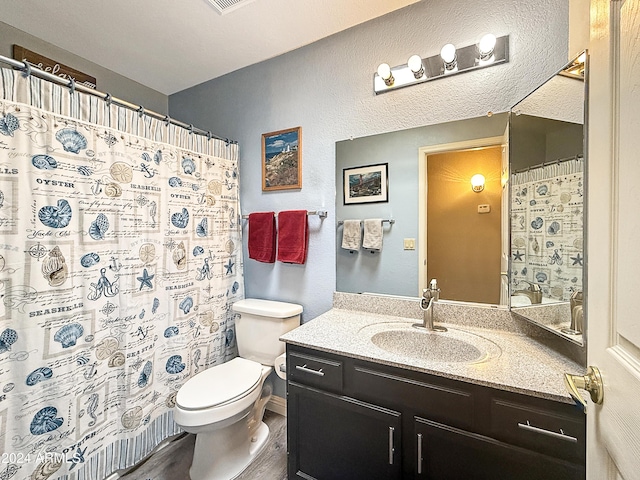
(219, 384)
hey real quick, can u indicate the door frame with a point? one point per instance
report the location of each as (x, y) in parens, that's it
(423, 155)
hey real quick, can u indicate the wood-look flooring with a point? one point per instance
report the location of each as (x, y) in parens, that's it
(173, 461)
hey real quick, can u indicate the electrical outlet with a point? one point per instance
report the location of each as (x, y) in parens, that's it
(409, 243)
(484, 208)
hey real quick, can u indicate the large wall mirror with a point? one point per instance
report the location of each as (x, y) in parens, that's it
(468, 239)
(547, 182)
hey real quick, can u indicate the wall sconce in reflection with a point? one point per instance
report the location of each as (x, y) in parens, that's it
(477, 183)
(487, 52)
(449, 57)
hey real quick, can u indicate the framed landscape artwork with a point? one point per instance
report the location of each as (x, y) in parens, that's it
(367, 184)
(282, 159)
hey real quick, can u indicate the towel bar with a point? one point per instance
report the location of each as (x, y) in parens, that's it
(320, 213)
(390, 221)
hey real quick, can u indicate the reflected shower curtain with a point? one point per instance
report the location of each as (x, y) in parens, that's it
(120, 257)
(547, 223)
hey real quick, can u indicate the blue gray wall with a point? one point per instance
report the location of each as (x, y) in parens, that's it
(326, 88)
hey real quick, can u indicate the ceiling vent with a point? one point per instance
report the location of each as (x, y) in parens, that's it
(225, 6)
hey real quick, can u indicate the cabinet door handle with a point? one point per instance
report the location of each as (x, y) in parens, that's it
(549, 433)
(419, 453)
(305, 369)
(391, 449)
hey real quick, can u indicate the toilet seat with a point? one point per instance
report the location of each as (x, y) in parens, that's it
(220, 385)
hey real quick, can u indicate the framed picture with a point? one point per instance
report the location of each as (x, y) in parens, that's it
(282, 159)
(368, 184)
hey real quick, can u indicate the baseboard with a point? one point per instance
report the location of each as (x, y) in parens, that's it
(277, 405)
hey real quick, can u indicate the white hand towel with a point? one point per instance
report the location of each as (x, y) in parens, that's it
(372, 234)
(351, 235)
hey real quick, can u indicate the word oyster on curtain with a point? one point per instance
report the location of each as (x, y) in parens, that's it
(119, 261)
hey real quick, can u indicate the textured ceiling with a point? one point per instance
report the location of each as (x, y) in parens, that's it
(171, 45)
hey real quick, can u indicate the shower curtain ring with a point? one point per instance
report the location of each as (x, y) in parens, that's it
(227, 141)
(26, 70)
(209, 135)
(72, 85)
(107, 98)
(191, 129)
(167, 120)
(141, 111)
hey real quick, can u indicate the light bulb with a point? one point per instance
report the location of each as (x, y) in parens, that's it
(415, 65)
(448, 53)
(486, 46)
(477, 182)
(449, 57)
(384, 71)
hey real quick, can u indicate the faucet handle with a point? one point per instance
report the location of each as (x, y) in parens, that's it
(534, 287)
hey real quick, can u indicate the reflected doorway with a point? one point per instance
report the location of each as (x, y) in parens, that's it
(462, 228)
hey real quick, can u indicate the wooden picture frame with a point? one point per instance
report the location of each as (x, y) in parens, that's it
(282, 159)
(366, 184)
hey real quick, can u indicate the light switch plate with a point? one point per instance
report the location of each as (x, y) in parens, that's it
(409, 243)
(484, 208)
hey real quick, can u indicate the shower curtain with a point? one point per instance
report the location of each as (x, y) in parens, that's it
(120, 257)
(547, 221)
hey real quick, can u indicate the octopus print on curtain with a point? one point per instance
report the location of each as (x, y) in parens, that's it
(119, 261)
(547, 226)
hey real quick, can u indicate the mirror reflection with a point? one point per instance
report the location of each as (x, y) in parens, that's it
(438, 231)
(547, 166)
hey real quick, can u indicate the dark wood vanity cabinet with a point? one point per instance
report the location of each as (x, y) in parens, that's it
(352, 419)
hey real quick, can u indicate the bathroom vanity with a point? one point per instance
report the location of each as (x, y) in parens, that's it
(361, 409)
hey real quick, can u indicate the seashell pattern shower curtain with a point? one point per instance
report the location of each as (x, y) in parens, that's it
(547, 223)
(120, 257)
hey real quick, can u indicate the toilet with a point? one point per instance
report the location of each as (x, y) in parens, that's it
(224, 405)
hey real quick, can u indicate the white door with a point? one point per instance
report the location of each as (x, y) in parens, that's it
(613, 343)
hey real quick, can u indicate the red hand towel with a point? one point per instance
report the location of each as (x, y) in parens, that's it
(293, 236)
(262, 236)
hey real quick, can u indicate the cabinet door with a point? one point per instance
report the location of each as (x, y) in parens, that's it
(452, 454)
(335, 437)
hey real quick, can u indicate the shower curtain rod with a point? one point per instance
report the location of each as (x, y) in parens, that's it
(546, 164)
(31, 70)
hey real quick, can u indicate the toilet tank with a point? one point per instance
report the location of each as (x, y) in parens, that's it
(259, 326)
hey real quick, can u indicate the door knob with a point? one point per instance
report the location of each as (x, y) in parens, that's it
(591, 382)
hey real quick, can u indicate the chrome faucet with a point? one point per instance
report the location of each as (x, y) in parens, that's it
(429, 296)
(533, 292)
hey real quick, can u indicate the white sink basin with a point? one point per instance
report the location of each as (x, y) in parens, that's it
(452, 346)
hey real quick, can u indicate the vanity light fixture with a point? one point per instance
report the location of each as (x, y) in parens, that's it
(451, 60)
(477, 183)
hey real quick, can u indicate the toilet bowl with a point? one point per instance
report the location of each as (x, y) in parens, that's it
(224, 404)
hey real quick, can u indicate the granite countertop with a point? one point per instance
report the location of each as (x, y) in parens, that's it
(519, 363)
